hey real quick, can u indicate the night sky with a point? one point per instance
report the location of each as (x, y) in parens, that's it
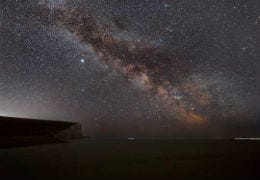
(141, 68)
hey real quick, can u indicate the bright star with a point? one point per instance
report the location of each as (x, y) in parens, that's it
(82, 60)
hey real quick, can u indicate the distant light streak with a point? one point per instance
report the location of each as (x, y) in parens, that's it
(248, 139)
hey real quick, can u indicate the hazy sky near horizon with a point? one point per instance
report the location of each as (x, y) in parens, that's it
(134, 68)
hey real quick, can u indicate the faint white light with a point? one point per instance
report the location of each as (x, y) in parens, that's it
(247, 139)
(131, 138)
(177, 97)
(166, 5)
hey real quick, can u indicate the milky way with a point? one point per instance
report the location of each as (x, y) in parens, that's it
(140, 68)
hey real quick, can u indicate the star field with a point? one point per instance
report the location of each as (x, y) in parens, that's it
(139, 68)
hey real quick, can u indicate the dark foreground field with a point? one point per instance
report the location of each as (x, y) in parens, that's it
(140, 159)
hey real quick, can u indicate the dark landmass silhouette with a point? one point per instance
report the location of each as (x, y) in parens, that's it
(125, 158)
(16, 132)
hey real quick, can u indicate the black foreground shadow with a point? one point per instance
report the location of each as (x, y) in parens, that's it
(39, 149)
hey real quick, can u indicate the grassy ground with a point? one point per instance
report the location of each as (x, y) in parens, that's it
(140, 159)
